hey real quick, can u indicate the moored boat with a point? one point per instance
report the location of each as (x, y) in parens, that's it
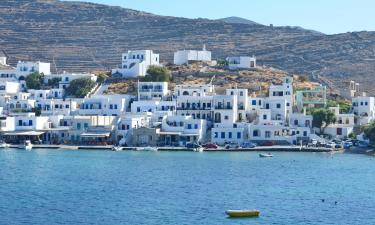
(4, 145)
(27, 145)
(242, 213)
(148, 148)
(263, 155)
(116, 148)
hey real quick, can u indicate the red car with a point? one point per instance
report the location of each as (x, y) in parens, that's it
(211, 146)
(267, 143)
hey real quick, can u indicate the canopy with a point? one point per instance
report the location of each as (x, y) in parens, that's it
(96, 134)
(25, 133)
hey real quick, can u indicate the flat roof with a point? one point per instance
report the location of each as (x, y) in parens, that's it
(25, 133)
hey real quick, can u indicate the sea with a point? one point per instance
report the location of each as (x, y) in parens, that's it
(104, 187)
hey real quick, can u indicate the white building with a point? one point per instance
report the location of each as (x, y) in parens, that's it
(363, 108)
(66, 78)
(182, 129)
(152, 90)
(136, 63)
(344, 124)
(241, 62)
(188, 56)
(104, 105)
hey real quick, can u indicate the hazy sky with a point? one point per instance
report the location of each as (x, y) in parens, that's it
(328, 16)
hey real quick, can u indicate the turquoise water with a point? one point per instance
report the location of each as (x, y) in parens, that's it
(103, 187)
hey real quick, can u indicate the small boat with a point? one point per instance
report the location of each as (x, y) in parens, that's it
(263, 155)
(27, 145)
(116, 148)
(4, 145)
(242, 213)
(200, 149)
(148, 148)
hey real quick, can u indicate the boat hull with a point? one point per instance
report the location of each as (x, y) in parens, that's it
(242, 213)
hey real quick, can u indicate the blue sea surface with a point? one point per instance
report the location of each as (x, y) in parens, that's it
(104, 187)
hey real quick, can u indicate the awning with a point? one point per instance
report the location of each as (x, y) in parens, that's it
(25, 133)
(96, 134)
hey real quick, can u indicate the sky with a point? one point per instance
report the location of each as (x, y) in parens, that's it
(327, 16)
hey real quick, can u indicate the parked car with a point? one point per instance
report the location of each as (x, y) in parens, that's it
(210, 146)
(330, 144)
(193, 145)
(267, 143)
(248, 145)
(348, 144)
(232, 146)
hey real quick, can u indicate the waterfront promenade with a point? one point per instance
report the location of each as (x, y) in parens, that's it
(276, 148)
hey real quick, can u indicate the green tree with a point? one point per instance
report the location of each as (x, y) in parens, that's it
(79, 88)
(54, 82)
(322, 118)
(369, 131)
(101, 77)
(34, 80)
(344, 106)
(157, 74)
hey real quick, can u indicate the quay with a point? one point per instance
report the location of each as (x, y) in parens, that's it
(276, 148)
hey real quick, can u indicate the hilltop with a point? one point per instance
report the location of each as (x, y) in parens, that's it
(79, 36)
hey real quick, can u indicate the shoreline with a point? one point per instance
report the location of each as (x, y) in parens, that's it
(184, 149)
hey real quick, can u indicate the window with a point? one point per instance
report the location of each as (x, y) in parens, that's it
(226, 117)
(287, 104)
(339, 131)
(30, 122)
(264, 116)
(222, 135)
(268, 134)
(110, 106)
(216, 135)
(366, 103)
(305, 133)
(296, 122)
(78, 126)
(254, 102)
(229, 134)
(241, 93)
(189, 126)
(278, 105)
(267, 106)
(196, 126)
(239, 135)
(66, 79)
(19, 122)
(256, 133)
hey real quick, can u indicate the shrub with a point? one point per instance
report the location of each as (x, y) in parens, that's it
(79, 88)
(157, 74)
(34, 80)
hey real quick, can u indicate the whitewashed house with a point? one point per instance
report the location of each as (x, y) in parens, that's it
(180, 130)
(104, 105)
(66, 78)
(344, 124)
(189, 56)
(136, 63)
(241, 62)
(152, 90)
(363, 108)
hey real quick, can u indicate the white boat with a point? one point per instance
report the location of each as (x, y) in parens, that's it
(148, 148)
(200, 149)
(27, 145)
(116, 148)
(4, 145)
(262, 155)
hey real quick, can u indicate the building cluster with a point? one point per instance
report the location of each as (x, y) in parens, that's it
(158, 116)
(136, 63)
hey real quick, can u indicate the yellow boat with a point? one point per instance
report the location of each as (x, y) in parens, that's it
(242, 213)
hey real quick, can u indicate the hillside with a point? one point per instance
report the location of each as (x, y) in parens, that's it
(83, 36)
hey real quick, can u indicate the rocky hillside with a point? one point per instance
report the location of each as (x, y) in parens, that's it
(83, 36)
